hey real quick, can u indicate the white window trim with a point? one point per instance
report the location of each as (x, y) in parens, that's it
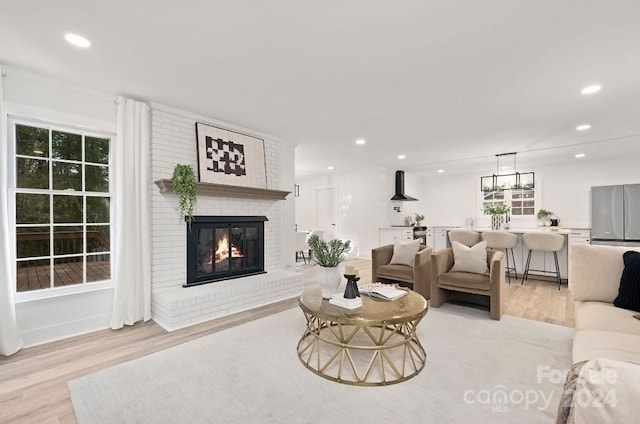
(20, 297)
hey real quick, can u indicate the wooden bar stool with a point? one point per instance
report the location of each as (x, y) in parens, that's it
(544, 242)
(503, 240)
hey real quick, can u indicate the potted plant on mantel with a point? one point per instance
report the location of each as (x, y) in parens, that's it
(498, 211)
(184, 187)
(328, 255)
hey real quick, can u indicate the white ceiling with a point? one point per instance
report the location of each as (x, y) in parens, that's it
(449, 83)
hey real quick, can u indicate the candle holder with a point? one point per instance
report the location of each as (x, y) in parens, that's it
(351, 291)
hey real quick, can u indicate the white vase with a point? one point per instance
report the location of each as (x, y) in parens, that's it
(497, 222)
(329, 281)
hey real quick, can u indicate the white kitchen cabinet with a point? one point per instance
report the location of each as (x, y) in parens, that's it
(430, 237)
(440, 238)
(391, 235)
(577, 237)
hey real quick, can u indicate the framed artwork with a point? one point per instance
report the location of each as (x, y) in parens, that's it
(227, 157)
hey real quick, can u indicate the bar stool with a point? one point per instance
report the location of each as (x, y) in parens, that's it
(544, 242)
(466, 237)
(301, 245)
(506, 241)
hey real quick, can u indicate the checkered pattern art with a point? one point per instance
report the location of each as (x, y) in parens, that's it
(226, 156)
(229, 157)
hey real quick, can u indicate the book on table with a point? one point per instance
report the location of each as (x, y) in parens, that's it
(382, 291)
(338, 299)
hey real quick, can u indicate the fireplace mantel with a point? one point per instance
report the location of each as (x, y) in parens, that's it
(224, 190)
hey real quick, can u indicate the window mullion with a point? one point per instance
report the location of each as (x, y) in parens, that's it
(51, 228)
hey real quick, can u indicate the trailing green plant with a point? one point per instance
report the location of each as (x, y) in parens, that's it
(184, 187)
(543, 213)
(328, 254)
(496, 209)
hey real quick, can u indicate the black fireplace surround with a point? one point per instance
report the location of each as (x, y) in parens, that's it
(224, 247)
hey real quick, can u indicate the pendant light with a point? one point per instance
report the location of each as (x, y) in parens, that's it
(500, 182)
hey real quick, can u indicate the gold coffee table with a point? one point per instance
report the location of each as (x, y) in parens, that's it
(373, 345)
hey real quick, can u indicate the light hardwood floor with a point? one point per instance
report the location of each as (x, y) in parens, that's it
(33, 382)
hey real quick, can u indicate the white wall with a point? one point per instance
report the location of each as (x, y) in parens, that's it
(563, 188)
(566, 186)
(305, 204)
(31, 96)
(363, 204)
(449, 200)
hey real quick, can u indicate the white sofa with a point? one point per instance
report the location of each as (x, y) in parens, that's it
(602, 330)
(606, 344)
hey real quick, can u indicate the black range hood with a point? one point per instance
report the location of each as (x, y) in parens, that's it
(400, 188)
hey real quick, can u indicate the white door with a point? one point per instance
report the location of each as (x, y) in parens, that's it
(326, 212)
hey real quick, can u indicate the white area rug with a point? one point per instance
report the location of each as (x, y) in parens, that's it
(478, 371)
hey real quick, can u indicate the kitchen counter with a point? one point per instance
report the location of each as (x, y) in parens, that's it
(519, 230)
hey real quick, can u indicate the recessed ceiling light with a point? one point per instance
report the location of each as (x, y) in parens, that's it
(402, 156)
(504, 167)
(591, 89)
(583, 127)
(330, 168)
(440, 171)
(580, 155)
(360, 141)
(77, 40)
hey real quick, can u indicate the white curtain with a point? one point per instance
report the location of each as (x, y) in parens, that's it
(131, 164)
(10, 340)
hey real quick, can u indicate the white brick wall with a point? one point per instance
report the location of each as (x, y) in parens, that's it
(174, 141)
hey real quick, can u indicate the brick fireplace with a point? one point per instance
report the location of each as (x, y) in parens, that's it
(174, 306)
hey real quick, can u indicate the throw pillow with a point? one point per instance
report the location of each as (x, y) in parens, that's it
(470, 259)
(405, 253)
(629, 291)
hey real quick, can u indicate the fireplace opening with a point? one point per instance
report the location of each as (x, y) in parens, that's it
(224, 247)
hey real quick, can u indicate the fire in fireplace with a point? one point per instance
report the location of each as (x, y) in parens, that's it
(224, 247)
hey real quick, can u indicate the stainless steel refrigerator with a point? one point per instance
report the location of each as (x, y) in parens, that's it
(615, 215)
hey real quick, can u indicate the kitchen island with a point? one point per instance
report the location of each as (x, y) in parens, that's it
(540, 260)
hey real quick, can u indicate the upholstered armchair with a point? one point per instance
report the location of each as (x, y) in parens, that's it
(418, 275)
(453, 285)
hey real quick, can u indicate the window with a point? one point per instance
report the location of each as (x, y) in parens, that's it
(522, 201)
(62, 206)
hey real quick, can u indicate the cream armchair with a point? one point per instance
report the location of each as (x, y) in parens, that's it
(418, 276)
(451, 285)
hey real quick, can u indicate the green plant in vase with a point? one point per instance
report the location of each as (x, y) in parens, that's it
(497, 209)
(498, 212)
(328, 255)
(544, 216)
(419, 218)
(183, 182)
